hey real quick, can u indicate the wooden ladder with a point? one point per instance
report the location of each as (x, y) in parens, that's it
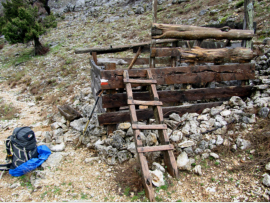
(165, 146)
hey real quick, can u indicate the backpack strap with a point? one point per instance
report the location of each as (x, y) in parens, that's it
(8, 143)
(5, 167)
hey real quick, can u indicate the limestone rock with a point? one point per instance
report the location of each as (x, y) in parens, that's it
(124, 126)
(58, 148)
(157, 178)
(266, 180)
(187, 143)
(198, 170)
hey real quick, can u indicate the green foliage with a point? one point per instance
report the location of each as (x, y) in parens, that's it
(22, 23)
(179, 200)
(159, 199)
(50, 21)
(126, 191)
(239, 4)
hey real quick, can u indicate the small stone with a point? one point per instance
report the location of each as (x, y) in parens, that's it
(263, 113)
(219, 140)
(225, 113)
(124, 126)
(205, 155)
(182, 160)
(267, 166)
(185, 144)
(212, 154)
(157, 178)
(198, 170)
(58, 148)
(266, 180)
(159, 167)
(175, 117)
(91, 159)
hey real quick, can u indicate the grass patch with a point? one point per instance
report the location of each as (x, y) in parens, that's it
(7, 110)
(239, 4)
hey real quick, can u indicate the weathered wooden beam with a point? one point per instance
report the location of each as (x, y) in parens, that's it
(197, 54)
(248, 20)
(183, 75)
(172, 97)
(187, 32)
(126, 61)
(115, 49)
(155, 148)
(123, 116)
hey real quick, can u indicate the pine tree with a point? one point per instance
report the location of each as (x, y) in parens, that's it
(23, 24)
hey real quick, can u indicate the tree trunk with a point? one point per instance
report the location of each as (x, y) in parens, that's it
(39, 49)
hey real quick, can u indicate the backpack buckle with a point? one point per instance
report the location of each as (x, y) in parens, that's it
(9, 157)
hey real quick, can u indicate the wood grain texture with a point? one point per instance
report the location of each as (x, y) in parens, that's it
(178, 96)
(187, 32)
(183, 75)
(124, 116)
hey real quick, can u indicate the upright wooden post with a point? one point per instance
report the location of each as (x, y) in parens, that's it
(153, 42)
(112, 127)
(248, 20)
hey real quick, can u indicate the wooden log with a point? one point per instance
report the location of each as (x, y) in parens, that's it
(126, 61)
(197, 54)
(183, 75)
(140, 81)
(171, 97)
(124, 116)
(111, 128)
(145, 103)
(135, 58)
(187, 32)
(248, 20)
(94, 56)
(115, 49)
(155, 148)
(149, 127)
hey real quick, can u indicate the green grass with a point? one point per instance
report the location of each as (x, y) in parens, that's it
(84, 196)
(179, 200)
(126, 191)
(239, 4)
(158, 199)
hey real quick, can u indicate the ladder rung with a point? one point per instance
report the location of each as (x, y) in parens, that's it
(145, 103)
(155, 148)
(149, 127)
(140, 81)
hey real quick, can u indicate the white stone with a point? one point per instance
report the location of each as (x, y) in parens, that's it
(186, 128)
(187, 143)
(157, 178)
(198, 170)
(203, 117)
(91, 159)
(219, 140)
(176, 136)
(225, 113)
(159, 167)
(182, 160)
(212, 154)
(266, 180)
(267, 166)
(124, 126)
(58, 148)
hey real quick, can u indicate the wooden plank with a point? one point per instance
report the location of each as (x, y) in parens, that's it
(149, 127)
(144, 114)
(126, 61)
(140, 81)
(94, 55)
(97, 69)
(248, 20)
(147, 179)
(187, 32)
(155, 148)
(145, 103)
(135, 58)
(179, 96)
(183, 75)
(197, 54)
(115, 49)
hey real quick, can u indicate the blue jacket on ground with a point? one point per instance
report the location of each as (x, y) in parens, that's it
(43, 151)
